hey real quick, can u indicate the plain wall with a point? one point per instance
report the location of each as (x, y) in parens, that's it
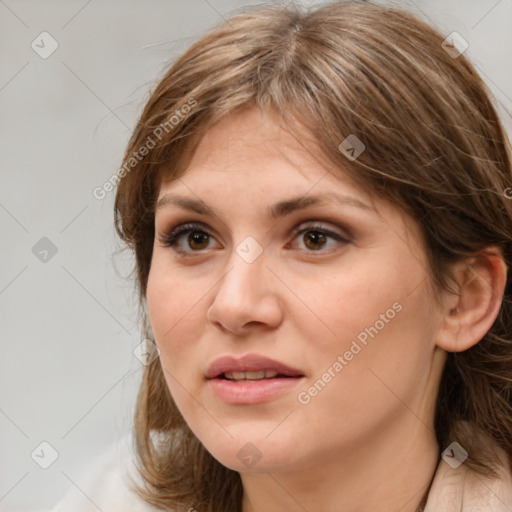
(68, 375)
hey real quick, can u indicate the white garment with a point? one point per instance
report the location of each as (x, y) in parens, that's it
(106, 485)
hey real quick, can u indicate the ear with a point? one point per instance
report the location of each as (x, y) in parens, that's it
(468, 316)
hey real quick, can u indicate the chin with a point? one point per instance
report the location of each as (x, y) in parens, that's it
(252, 454)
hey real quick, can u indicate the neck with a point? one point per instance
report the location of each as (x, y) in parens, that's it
(390, 470)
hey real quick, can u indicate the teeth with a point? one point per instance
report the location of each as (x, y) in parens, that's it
(261, 374)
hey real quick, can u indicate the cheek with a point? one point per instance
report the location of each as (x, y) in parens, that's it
(388, 337)
(176, 317)
(376, 315)
(346, 302)
(175, 312)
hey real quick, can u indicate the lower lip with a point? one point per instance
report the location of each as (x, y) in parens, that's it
(252, 391)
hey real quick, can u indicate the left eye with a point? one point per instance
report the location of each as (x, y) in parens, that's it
(315, 238)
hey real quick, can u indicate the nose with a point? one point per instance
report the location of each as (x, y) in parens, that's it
(247, 297)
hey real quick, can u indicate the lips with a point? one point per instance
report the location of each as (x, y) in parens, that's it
(233, 368)
(252, 379)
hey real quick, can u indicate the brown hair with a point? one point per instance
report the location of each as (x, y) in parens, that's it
(434, 147)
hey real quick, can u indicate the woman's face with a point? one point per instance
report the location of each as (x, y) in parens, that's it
(293, 274)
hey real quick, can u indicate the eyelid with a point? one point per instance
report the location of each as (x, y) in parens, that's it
(321, 226)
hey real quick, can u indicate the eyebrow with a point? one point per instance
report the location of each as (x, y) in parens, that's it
(276, 211)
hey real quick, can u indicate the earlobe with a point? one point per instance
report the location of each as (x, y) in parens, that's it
(469, 315)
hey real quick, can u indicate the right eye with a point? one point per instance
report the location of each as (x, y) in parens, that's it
(195, 242)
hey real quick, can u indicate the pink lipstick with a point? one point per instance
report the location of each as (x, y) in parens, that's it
(251, 379)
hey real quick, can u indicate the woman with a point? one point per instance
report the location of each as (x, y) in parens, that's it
(317, 205)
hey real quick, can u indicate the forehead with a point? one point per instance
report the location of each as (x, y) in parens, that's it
(247, 134)
(250, 149)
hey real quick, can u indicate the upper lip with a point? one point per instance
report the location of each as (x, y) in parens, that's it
(249, 363)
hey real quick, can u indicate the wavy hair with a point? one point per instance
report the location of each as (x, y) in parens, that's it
(434, 147)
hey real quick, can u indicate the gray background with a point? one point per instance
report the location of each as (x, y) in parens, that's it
(67, 369)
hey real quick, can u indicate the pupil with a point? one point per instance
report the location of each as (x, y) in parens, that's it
(316, 237)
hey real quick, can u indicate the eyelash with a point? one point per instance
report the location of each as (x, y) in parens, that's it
(171, 239)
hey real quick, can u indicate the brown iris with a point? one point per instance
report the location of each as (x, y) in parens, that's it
(197, 237)
(315, 237)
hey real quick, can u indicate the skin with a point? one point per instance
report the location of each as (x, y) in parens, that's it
(366, 441)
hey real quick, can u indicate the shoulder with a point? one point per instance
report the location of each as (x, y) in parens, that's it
(105, 484)
(459, 489)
